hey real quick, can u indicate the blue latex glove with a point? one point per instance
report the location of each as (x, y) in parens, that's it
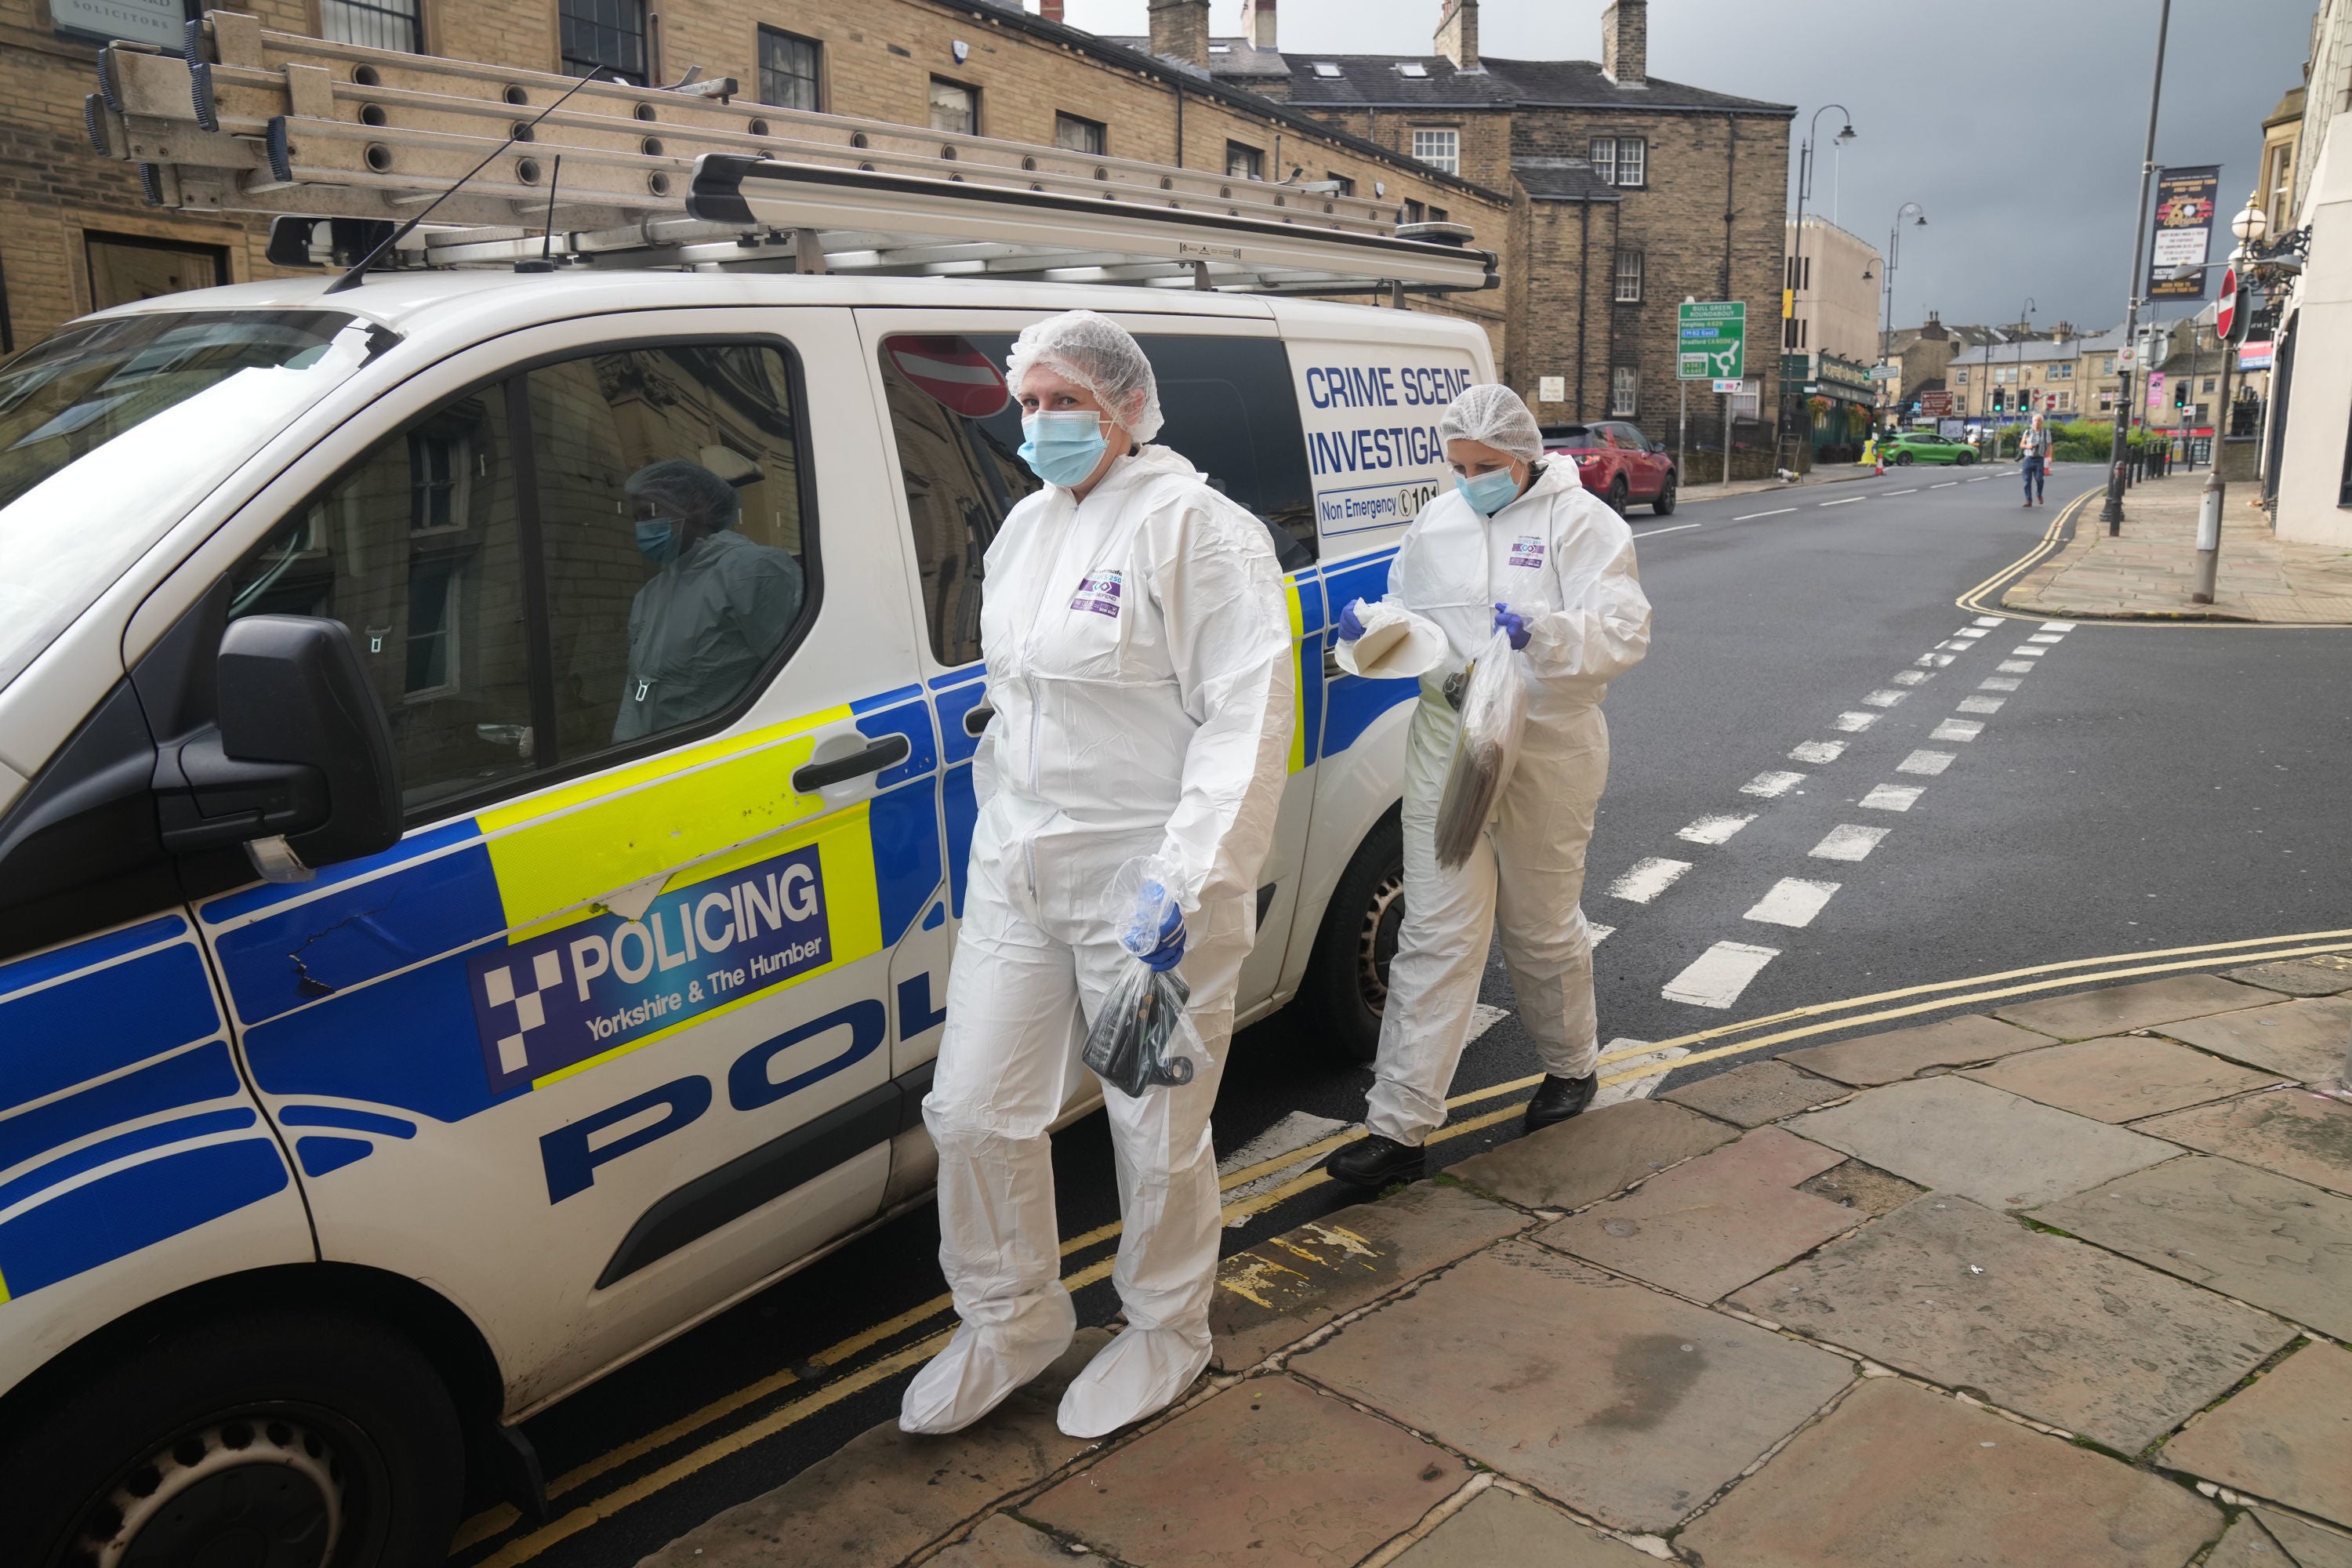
(1169, 950)
(1350, 626)
(1515, 625)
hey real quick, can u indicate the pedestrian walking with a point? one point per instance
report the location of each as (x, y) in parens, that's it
(1519, 546)
(2033, 449)
(1138, 648)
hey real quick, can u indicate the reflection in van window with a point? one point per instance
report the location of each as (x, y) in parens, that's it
(1228, 406)
(653, 527)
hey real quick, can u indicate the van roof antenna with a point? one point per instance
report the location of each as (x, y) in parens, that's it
(357, 272)
(545, 260)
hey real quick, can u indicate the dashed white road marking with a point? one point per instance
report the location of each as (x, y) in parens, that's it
(1999, 683)
(1911, 677)
(1716, 829)
(1971, 632)
(1891, 797)
(1979, 479)
(1718, 976)
(1300, 1129)
(1647, 879)
(1598, 933)
(1937, 659)
(2014, 666)
(2029, 651)
(1794, 901)
(1847, 502)
(1675, 529)
(1776, 511)
(1634, 1088)
(1957, 644)
(1912, 491)
(1818, 751)
(1956, 730)
(1847, 842)
(2057, 626)
(1929, 763)
(1854, 723)
(1980, 705)
(1886, 698)
(1771, 786)
(1987, 621)
(1947, 484)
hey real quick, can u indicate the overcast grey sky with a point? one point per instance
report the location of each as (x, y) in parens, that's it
(2018, 124)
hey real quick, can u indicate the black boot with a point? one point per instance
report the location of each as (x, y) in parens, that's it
(1374, 1162)
(1558, 1098)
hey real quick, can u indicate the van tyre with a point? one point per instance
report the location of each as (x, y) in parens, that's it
(1347, 983)
(275, 1440)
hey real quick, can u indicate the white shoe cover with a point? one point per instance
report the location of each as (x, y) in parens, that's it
(1139, 1374)
(980, 1368)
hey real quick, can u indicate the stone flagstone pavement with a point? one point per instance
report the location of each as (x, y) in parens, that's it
(2067, 1288)
(2148, 572)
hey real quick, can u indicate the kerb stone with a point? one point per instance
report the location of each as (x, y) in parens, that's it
(1759, 1092)
(2302, 1040)
(1287, 1287)
(1585, 1159)
(1902, 1053)
(2118, 1009)
(2120, 1078)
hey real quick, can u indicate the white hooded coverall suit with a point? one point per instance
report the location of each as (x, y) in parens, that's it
(1138, 659)
(1564, 560)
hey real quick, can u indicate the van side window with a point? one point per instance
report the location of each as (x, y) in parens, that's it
(1228, 406)
(669, 511)
(593, 553)
(418, 549)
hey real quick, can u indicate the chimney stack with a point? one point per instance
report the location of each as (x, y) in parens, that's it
(1625, 42)
(1258, 24)
(1457, 34)
(1180, 31)
(1050, 9)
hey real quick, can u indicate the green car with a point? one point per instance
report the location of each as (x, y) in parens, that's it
(1907, 446)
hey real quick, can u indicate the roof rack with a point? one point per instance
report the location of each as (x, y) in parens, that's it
(247, 120)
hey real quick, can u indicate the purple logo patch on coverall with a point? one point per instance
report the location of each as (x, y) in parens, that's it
(1099, 591)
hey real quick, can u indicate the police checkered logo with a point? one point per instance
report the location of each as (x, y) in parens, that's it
(530, 1012)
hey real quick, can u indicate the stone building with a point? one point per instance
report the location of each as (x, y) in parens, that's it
(76, 234)
(1630, 194)
(1610, 194)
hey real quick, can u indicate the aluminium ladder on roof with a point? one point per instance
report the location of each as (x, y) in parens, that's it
(247, 120)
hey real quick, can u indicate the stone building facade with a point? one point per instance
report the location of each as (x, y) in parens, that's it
(1630, 194)
(1610, 193)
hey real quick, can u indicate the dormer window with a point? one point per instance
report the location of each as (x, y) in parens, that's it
(1411, 69)
(1328, 70)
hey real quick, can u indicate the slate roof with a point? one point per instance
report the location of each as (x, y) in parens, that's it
(1563, 180)
(1374, 81)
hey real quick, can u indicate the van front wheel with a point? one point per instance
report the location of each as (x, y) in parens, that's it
(297, 1441)
(1347, 986)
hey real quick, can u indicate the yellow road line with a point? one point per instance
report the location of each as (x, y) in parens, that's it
(2026, 562)
(2302, 944)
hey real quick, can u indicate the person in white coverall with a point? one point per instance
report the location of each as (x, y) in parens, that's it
(1139, 667)
(1519, 545)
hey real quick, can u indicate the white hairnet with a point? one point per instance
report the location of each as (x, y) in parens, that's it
(1098, 353)
(688, 490)
(1495, 416)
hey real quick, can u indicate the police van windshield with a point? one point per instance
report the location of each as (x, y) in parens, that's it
(110, 430)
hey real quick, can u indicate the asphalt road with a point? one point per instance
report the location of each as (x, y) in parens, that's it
(2131, 789)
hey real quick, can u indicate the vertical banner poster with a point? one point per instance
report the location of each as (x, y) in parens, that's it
(2184, 231)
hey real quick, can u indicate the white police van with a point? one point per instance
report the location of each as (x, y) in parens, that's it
(394, 1036)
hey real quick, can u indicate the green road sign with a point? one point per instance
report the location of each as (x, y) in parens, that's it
(1712, 341)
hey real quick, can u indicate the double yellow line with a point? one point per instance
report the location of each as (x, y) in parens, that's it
(2050, 542)
(1778, 1029)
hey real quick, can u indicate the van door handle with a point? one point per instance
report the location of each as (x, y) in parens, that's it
(810, 777)
(976, 718)
(1331, 671)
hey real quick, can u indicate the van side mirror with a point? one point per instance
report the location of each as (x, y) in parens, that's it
(299, 766)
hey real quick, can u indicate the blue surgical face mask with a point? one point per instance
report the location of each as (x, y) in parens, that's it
(657, 540)
(1062, 446)
(1488, 493)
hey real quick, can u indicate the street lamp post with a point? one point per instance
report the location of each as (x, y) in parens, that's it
(1796, 255)
(1894, 254)
(2112, 513)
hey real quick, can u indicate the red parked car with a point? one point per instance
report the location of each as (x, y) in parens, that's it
(1617, 463)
